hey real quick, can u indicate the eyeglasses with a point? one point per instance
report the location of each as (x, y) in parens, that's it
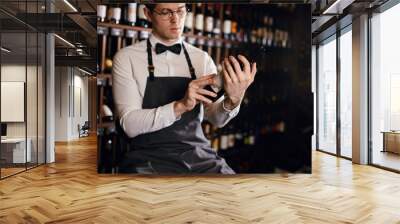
(167, 14)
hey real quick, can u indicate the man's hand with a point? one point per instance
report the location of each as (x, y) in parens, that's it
(237, 80)
(195, 94)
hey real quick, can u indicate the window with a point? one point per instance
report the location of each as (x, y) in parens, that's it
(22, 78)
(327, 96)
(385, 88)
(346, 93)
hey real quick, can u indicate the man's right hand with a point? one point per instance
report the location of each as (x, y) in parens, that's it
(195, 94)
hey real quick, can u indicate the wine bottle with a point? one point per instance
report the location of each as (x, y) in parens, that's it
(207, 129)
(227, 28)
(253, 28)
(142, 22)
(199, 26)
(109, 13)
(252, 137)
(115, 14)
(234, 27)
(188, 27)
(285, 43)
(260, 28)
(130, 12)
(239, 137)
(215, 142)
(108, 104)
(209, 26)
(227, 22)
(265, 31)
(102, 33)
(114, 40)
(246, 135)
(216, 54)
(101, 13)
(224, 140)
(231, 137)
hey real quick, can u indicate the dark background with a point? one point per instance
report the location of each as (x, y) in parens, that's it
(277, 109)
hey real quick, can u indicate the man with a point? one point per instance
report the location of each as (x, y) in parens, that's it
(160, 97)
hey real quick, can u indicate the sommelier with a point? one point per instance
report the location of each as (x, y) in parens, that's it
(160, 97)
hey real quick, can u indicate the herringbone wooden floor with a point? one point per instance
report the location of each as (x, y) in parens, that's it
(70, 191)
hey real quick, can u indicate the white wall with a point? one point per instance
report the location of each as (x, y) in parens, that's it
(12, 73)
(71, 93)
(33, 127)
(314, 91)
(61, 104)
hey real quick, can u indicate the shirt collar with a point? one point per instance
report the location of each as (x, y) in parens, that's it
(154, 40)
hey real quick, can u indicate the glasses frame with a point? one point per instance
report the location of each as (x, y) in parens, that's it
(171, 13)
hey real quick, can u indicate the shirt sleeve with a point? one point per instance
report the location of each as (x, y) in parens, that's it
(135, 120)
(216, 112)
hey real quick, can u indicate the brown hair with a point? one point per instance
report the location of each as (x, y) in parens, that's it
(150, 6)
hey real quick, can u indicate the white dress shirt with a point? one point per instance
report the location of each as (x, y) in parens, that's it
(129, 83)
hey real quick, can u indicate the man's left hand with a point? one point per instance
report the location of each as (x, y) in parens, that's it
(237, 80)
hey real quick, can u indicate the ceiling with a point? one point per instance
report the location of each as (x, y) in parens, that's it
(337, 14)
(73, 20)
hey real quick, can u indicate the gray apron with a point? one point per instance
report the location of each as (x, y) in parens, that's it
(180, 148)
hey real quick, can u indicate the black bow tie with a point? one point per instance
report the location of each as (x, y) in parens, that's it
(160, 48)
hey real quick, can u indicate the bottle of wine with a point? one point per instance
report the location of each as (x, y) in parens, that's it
(109, 13)
(114, 40)
(260, 27)
(216, 54)
(234, 27)
(188, 28)
(130, 12)
(253, 28)
(115, 14)
(224, 139)
(108, 104)
(215, 138)
(199, 26)
(142, 22)
(209, 27)
(227, 28)
(265, 30)
(251, 134)
(227, 22)
(285, 42)
(101, 13)
(231, 137)
(246, 134)
(207, 129)
(238, 136)
(102, 33)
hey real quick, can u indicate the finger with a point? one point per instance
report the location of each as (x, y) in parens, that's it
(246, 64)
(253, 70)
(230, 71)
(207, 76)
(206, 92)
(238, 69)
(203, 82)
(202, 98)
(225, 74)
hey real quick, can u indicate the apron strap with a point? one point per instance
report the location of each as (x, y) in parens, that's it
(150, 66)
(191, 69)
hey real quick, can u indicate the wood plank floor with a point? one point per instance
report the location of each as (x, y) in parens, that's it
(70, 191)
